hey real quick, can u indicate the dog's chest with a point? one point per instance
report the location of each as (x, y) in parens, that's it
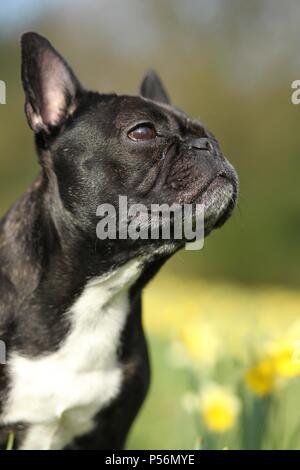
(60, 394)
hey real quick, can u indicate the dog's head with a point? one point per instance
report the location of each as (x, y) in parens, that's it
(100, 146)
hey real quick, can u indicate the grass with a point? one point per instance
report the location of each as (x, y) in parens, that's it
(232, 330)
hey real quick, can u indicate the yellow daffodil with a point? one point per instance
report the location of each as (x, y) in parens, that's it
(260, 378)
(201, 342)
(219, 408)
(285, 353)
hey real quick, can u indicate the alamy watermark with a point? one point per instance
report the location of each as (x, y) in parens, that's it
(295, 96)
(2, 352)
(2, 92)
(159, 222)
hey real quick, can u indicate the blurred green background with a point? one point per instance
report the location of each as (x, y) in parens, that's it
(230, 64)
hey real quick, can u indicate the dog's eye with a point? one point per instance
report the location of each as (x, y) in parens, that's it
(142, 132)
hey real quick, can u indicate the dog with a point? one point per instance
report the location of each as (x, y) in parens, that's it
(77, 368)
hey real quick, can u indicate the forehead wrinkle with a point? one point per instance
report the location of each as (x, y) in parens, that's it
(182, 119)
(136, 113)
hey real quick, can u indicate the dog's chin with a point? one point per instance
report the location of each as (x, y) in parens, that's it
(218, 201)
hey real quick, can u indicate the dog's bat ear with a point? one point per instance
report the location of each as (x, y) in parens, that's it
(152, 88)
(51, 88)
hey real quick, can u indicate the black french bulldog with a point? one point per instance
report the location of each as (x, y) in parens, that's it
(77, 366)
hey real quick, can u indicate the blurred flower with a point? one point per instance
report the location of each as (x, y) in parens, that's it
(219, 408)
(201, 342)
(296, 353)
(190, 402)
(260, 378)
(177, 355)
(281, 361)
(285, 354)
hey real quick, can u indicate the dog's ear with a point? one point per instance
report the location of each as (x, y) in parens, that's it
(152, 88)
(51, 88)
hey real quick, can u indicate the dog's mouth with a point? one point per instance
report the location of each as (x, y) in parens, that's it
(218, 200)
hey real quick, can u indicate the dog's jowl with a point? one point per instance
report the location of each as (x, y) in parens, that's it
(76, 369)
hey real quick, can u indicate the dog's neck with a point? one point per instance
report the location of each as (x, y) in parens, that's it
(40, 246)
(44, 245)
(38, 228)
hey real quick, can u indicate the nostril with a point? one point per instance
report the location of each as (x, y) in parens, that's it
(209, 146)
(202, 144)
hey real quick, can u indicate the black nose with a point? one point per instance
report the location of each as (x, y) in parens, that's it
(202, 144)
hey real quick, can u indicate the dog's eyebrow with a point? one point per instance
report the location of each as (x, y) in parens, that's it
(185, 123)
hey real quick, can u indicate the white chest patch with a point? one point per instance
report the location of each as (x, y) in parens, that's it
(60, 393)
